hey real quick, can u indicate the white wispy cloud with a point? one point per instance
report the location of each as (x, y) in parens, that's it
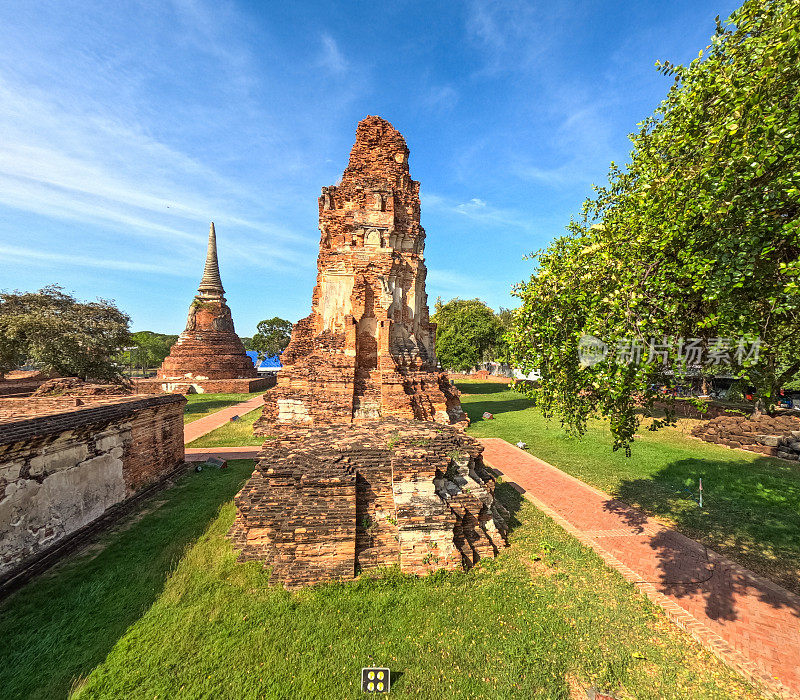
(30, 256)
(476, 209)
(332, 58)
(513, 35)
(440, 98)
(95, 168)
(580, 142)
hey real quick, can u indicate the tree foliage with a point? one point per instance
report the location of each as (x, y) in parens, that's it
(272, 336)
(698, 237)
(467, 333)
(58, 332)
(147, 349)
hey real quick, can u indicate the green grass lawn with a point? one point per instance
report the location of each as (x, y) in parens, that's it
(163, 610)
(232, 434)
(751, 504)
(199, 405)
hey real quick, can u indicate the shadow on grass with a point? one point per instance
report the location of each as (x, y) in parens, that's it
(207, 406)
(510, 495)
(482, 387)
(476, 409)
(751, 515)
(61, 625)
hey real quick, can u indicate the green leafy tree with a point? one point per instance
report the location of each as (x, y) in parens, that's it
(12, 353)
(467, 333)
(505, 320)
(56, 331)
(697, 238)
(272, 336)
(147, 349)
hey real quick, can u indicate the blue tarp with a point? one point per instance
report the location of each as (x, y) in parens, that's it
(274, 361)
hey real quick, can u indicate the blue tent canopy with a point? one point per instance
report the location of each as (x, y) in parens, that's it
(274, 361)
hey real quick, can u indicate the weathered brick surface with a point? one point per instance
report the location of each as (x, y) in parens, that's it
(208, 349)
(367, 350)
(63, 465)
(327, 502)
(776, 436)
(204, 386)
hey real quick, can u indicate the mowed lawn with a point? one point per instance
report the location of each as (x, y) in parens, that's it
(233, 434)
(751, 503)
(200, 405)
(162, 609)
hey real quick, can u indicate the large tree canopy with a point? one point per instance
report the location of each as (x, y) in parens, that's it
(467, 333)
(53, 329)
(694, 244)
(272, 337)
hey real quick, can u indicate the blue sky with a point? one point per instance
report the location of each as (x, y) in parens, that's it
(127, 127)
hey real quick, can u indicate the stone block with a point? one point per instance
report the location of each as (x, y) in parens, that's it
(63, 457)
(109, 440)
(10, 471)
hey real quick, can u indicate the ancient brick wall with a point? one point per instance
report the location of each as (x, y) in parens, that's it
(776, 436)
(204, 386)
(367, 350)
(62, 466)
(325, 503)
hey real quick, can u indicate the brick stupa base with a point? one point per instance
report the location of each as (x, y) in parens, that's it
(326, 503)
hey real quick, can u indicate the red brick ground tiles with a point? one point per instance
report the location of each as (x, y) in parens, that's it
(749, 622)
(202, 426)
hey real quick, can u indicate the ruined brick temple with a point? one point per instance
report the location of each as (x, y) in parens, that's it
(367, 350)
(208, 356)
(370, 466)
(326, 503)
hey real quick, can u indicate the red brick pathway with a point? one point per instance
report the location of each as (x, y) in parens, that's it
(201, 426)
(749, 622)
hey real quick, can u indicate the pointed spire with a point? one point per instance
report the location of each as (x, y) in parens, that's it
(211, 284)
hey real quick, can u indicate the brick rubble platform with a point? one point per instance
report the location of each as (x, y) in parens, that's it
(749, 622)
(325, 503)
(774, 436)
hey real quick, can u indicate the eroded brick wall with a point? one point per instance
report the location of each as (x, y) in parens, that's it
(206, 386)
(325, 503)
(775, 436)
(62, 466)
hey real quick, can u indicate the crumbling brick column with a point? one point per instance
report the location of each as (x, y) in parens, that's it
(368, 348)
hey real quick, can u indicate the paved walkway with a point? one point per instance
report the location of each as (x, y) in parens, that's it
(201, 426)
(750, 623)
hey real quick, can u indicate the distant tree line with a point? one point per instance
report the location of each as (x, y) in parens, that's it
(469, 333)
(53, 331)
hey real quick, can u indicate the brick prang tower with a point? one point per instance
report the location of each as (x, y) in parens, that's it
(367, 350)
